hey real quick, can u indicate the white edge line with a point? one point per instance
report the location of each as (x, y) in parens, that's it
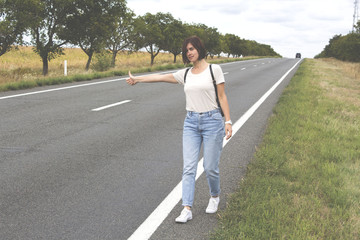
(70, 87)
(62, 88)
(149, 226)
(110, 105)
(95, 83)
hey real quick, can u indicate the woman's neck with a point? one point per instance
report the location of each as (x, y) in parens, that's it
(200, 65)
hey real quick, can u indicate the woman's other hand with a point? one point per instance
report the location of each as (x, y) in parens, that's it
(228, 131)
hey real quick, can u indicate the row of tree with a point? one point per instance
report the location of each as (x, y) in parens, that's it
(98, 25)
(345, 48)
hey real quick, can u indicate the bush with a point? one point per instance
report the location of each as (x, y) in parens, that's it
(102, 62)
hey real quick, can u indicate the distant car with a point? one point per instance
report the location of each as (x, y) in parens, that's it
(298, 55)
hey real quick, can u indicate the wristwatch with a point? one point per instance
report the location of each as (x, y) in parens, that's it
(228, 122)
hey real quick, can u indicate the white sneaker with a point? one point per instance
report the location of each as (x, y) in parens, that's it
(213, 205)
(185, 215)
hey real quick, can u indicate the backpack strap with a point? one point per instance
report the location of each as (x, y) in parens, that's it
(186, 72)
(216, 93)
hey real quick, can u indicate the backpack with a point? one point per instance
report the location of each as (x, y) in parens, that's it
(214, 82)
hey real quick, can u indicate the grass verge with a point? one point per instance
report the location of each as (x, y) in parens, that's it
(20, 69)
(78, 77)
(303, 182)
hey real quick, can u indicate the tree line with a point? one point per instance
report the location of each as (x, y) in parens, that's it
(345, 48)
(107, 25)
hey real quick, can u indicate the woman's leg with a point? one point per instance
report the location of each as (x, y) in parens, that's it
(192, 141)
(213, 136)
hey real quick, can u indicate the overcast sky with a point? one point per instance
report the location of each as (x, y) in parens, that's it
(288, 26)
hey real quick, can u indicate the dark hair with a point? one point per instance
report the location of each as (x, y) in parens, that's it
(198, 44)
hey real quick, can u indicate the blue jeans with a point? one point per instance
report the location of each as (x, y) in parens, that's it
(206, 128)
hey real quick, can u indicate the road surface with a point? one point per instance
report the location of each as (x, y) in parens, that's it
(93, 160)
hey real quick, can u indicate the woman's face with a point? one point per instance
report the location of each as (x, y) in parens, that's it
(192, 53)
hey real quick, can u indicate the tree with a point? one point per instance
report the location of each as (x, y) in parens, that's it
(175, 34)
(8, 35)
(345, 48)
(150, 34)
(212, 41)
(330, 49)
(122, 35)
(12, 23)
(15, 17)
(91, 23)
(223, 46)
(348, 47)
(232, 45)
(48, 22)
(227, 43)
(357, 27)
(45, 20)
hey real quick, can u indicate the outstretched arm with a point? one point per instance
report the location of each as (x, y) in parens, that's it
(169, 78)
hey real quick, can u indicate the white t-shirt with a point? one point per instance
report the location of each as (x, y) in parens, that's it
(199, 88)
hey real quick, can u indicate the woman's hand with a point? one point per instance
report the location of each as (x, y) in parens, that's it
(131, 80)
(228, 131)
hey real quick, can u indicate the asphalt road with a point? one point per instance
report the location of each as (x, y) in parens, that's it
(72, 170)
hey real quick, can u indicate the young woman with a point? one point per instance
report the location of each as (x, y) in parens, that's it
(203, 123)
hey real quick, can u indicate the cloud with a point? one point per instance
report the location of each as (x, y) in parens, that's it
(220, 7)
(287, 25)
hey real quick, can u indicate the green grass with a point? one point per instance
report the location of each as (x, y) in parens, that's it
(304, 180)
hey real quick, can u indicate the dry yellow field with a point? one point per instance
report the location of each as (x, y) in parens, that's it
(24, 64)
(349, 68)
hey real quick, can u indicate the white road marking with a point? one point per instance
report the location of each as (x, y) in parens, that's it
(149, 226)
(93, 83)
(110, 105)
(62, 88)
(70, 87)
(225, 73)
